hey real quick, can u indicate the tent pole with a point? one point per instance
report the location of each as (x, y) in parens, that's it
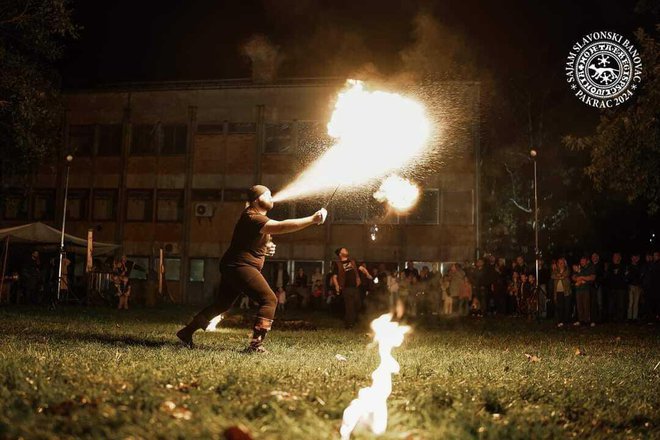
(4, 266)
(66, 195)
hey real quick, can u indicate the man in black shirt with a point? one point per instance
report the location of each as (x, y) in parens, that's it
(242, 264)
(346, 280)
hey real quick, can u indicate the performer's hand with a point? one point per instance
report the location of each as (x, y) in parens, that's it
(270, 249)
(319, 216)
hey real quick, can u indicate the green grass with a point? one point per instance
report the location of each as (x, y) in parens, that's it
(96, 373)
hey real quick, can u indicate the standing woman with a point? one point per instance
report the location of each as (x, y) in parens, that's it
(561, 279)
(242, 264)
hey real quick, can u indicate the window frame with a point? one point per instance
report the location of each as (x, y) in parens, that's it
(190, 271)
(169, 194)
(115, 195)
(149, 212)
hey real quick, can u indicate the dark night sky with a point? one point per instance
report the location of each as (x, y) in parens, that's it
(180, 40)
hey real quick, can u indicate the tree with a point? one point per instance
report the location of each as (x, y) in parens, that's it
(32, 33)
(625, 148)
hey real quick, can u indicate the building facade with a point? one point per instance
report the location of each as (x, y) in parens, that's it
(165, 166)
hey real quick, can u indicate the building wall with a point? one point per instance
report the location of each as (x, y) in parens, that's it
(229, 147)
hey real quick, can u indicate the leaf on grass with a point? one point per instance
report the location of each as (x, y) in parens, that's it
(237, 433)
(580, 352)
(283, 395)
(340, 358)
(532, 357)
(176, 412)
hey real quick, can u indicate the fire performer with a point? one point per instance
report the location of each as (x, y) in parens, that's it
(242, 263)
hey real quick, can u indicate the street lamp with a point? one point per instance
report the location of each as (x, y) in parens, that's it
(533, 154)
(69, 159)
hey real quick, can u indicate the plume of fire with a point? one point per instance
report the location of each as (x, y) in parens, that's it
(370, 408)
(399, 193)
(212, 327)
(375, 134)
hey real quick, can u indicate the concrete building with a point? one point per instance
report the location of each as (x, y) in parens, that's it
(165, 165)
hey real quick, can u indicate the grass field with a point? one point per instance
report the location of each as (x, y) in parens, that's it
(96, 373)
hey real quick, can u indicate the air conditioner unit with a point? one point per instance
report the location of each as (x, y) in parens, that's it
(171, 248)
(204, 209)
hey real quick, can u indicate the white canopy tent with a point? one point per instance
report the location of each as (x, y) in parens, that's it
(41, 234)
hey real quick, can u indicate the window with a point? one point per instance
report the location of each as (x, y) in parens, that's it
(242, 127)
(279, 138)
(139, 205)
(172, 268)
(144, 139)
(457, 208)
(15, 206)
(140, 267)
(197, 270)
(109, 140)
(207, 195)
(43, 205)
(170, 206)
(234, 195)
(81, 140)
(175, 139)
(104, 204)
(211, 128)
(313, 135)
(306, 208)
(281, 211)
(76, 205)
(347, 213)
(427, 209)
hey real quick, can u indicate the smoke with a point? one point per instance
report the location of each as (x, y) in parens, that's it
(264, 56)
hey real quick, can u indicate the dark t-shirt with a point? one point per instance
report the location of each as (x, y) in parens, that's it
(349, 275)
(248, 244)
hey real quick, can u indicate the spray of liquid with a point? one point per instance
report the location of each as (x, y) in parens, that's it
(375, 132)
(370, 407)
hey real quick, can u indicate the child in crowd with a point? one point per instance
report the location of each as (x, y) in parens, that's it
(123, 287)
(281, 298)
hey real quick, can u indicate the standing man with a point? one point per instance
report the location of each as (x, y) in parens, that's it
(242, 264)
(346, 279)
(584, 281)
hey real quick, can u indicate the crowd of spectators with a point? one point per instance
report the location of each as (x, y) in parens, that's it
(582, 292)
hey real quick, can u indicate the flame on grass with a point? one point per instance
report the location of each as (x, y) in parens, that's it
(212, 327)
(399, 193)
(370, 408)
(375, 134)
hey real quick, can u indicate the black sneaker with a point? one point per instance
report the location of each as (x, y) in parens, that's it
(185, 336)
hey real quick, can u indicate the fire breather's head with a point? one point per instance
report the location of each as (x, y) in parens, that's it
(259, 196)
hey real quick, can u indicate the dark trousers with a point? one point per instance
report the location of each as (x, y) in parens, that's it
(563, 308)
(582, 297)
(236, 281)
(617, 304)
(351, 297)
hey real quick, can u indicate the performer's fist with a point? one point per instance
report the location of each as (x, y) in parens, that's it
(270, 249)
(320, 216)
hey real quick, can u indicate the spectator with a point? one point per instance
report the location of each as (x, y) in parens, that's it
(519, 265)
(410, 269)
(514, 290)
(479, 283)
(456, 279)
(32, 278)
(281, 299)
(617, 289)
(123, 287)
(317, 277)
(365, 284)
(465, 297)
(301, 285)
(447, 299)
(346, 280)
(544, 294)
(634, 279)
(584, 280)
(596, 297)
(531, 296)
(561, 277)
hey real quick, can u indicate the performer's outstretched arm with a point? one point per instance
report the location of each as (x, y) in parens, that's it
(274, 227)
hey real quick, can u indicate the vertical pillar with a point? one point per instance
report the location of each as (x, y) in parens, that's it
(187, 202)
(477, 170)
(125, 146)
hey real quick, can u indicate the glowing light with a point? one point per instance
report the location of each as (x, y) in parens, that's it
(399, 193)
(376, 133)
(370, 408)
(212, 327)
